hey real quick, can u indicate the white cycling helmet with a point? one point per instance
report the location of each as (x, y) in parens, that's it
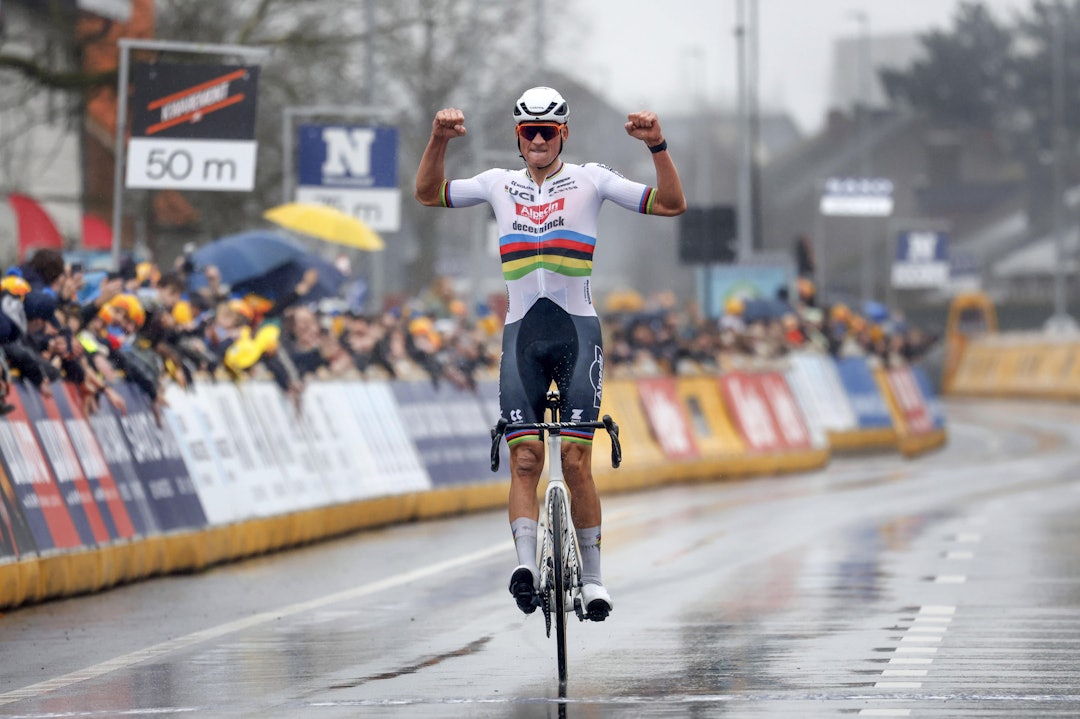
(541, 104)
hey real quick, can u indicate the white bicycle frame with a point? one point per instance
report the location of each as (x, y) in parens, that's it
(571, 559)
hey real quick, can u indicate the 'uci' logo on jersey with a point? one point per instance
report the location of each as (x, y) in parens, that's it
(538, 213)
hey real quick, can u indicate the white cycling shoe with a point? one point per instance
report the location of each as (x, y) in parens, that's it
(523, 585)
(597, 602)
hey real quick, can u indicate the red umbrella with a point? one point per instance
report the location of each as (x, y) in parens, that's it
(36, 228)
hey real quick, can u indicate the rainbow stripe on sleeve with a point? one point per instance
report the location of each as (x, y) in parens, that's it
(647, 198)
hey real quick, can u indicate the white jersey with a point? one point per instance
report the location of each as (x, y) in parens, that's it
(547, 233)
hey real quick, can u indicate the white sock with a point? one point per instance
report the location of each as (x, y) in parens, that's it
(524, 530)
(588, 541)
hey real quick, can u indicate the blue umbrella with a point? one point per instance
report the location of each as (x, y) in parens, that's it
(875, 311)
(278, 282)
(760, 309)
(247, 255)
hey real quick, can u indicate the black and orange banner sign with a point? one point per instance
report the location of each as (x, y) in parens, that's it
(172, 100)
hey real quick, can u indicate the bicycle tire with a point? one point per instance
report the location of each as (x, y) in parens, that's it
(558, 519)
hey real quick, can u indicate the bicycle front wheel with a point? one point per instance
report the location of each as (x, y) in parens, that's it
(558, 519)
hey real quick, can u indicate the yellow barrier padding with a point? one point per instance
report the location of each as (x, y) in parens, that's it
(641, 451)
(898, 420)
(863, 440)
(1021, 365)
(714, 431)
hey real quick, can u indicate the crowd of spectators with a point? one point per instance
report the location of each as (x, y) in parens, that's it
(146, 324)
(661, 337)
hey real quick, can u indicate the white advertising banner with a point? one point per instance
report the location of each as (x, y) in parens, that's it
(397, 463)
(215, 486)
(257, 473)
(816, 383)
(332, 427)
(288, 447)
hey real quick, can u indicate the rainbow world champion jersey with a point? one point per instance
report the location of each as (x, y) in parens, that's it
(547, 233)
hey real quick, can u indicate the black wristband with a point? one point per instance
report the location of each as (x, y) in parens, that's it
(658, 148)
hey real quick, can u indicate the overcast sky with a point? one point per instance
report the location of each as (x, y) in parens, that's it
(667, 55)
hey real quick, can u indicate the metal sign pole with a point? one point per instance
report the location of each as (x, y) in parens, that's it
(127, 44)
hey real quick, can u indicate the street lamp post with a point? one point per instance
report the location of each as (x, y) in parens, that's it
(865, 161)
(1060, 320)
(745, 215)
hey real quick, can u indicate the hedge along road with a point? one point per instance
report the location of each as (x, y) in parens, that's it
(940, 586)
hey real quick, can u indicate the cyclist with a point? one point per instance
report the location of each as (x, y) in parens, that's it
(547, 216)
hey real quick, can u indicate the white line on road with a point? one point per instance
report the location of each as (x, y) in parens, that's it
(937, 610)
(911, 660)
(950, 579)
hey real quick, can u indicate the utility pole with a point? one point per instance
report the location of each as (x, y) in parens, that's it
(865, 160)
(1060, 320)
(745, 215)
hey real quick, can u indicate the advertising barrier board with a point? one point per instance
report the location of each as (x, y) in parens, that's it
(864, 394)
(77, 444)
(37, 496)
(397, 467)
(750, 411)
(786, 414)
(909, 400)
(159, 464)
(668, 419)
(59, 465)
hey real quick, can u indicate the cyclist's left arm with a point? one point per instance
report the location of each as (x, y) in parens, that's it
(669, 199)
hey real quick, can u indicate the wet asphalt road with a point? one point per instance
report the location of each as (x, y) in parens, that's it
(947, 586)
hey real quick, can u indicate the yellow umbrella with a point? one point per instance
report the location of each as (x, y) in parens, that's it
(325, 223)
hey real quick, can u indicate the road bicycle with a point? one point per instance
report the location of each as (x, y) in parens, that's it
(557, 551)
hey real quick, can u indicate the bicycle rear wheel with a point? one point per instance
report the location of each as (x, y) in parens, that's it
(558, 524)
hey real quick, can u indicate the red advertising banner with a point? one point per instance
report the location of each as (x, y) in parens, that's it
(52, 437)
(794, 433)
(910, 400)
(16, 539)
(39, 496)
(667, 417)
(92, 461)
(745, 399)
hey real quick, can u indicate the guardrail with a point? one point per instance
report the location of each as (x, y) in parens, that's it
(90, 502)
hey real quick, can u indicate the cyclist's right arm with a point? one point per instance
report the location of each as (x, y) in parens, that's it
(431, 175)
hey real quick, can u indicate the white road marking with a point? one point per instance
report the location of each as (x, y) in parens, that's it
(904, 672)
(897, 685)
(911, 660)
(937, 610)
(950, 579)
(142, 655)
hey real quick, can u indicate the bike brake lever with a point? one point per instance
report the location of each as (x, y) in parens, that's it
(497, 433)
(613, 433)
